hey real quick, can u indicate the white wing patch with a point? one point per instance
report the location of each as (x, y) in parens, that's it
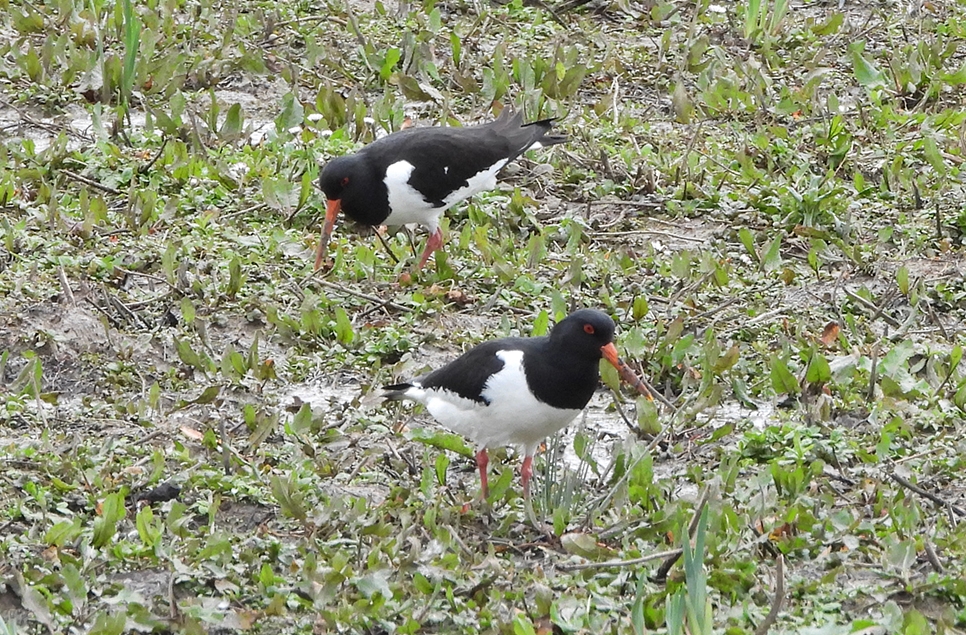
(407, 205)
(513, 416)
(485, 180)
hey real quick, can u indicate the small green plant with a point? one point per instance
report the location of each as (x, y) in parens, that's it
(689, 607)
(762, 21)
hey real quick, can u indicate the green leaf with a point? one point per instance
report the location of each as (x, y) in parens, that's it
(748, 242)
(499, 489)
(442, 440)
(292, 114)
(392, 58)
(637, 609)
(422, 583)
(740, 390)
(411, 88)
(582, 544)
(62, 532)
(457, 48)
(234, 277)
(867, 74)
(727, 359)
(955, 357)
(541, 324)
(830, 26)
(933, 155)
(264, 426)
(76, 585)
(610, 376)
(105, 525)
(343, 326)
(902, 279)
(772, 259)
(28, 21)
(915, 623)
(33, 601)
(960, 397)
(782, 379)
(375, 582)
(148, 530)
(522, 625)
(305, 191)
(681, 103)
(132, 41)
(210, 394)
(234, 122)
(818, 371)
(289, 496)
(442, 464)
(187, 311)
(648, 416)
(640, 308)
(681, 265)
(302, 421)
(279, 193)
(188, 355)
(958, 78)
(112, 623)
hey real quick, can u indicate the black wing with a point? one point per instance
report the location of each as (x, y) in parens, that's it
(467, 375)
(445, 158)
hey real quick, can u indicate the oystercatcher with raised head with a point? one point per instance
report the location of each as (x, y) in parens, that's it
(414, 175)
(520, 390)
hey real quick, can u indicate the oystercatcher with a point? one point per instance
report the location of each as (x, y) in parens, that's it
(520, 390)
(414, 175)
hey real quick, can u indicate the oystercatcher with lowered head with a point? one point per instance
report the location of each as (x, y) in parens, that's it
(414, 175)
(520, 390)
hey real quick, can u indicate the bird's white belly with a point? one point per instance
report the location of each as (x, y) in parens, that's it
(407, 205)
(513, 416)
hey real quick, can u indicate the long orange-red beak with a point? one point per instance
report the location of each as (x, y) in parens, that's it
(627, 375)
(331, 211)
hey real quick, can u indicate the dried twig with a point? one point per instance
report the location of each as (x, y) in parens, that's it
(932, 557)
(776, 603)
(225, 449)
(173, 612)
(871, 305)
(959, 511)
(86, 181)
(674, 553)
(665, 568)
(65, 284)
(358, 294)
(144, 169)
(612, 236)
(873, 374)
(149, 276)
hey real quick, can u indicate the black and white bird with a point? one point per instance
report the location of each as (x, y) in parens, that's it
(414, 175)
(518, 391)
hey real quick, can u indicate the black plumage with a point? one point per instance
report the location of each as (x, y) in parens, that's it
(519, 390)
(414, 175)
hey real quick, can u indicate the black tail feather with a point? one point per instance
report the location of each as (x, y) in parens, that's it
(395, 392)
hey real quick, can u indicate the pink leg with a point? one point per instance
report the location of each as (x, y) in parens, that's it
(482, 460)
(435, 242)
(525, 473)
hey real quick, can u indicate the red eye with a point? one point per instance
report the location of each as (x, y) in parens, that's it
(589, 329)
(345, 181)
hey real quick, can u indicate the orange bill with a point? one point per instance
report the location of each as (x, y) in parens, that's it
(331, 211)
(626, 374)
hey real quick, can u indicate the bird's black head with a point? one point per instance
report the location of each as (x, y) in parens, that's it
(584, 332)
(337, 175)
